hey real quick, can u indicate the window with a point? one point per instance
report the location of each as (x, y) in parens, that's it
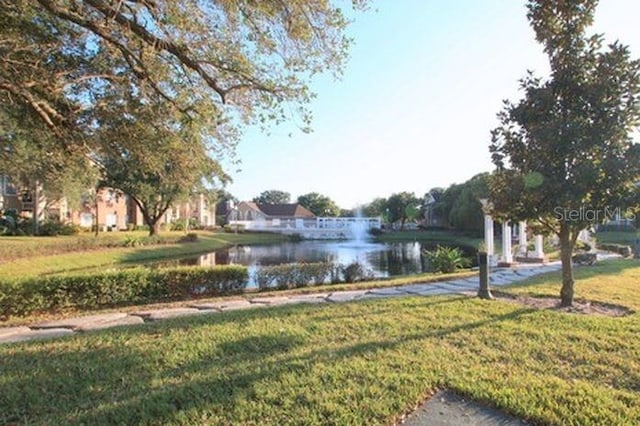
(86, 220)
(9, 188)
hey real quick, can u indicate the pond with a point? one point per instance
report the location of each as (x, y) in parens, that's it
(381, 259)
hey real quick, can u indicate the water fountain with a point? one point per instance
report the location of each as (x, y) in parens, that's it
(359, 230)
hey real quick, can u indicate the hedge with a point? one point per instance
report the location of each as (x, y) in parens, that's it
(127, 287)
(621, 249)
(293, 275)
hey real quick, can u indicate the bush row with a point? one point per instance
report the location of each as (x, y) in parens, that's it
(621, 249)
(128, 287)
(305, 274)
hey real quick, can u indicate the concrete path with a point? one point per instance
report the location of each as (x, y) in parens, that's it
(449, 409)
(70, 326)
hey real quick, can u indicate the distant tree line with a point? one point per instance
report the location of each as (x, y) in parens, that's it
(456, 207)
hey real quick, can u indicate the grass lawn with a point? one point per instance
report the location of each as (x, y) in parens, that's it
(435, 236)
(35, 264)
(366, 362)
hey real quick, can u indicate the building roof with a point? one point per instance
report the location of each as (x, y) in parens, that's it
(283, 210)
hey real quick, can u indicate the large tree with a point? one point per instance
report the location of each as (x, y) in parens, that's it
(228, 60)
(153, 159)
(465, 213)
(319, 205)
(35, 163)
(402, 206)
(273, 196)
(377, 207)
(564, 153)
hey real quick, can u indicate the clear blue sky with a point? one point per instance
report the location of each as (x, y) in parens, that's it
(417, 101)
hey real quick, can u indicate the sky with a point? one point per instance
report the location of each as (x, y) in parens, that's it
(416, 104)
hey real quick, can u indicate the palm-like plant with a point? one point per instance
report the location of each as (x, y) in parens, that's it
(446, 259)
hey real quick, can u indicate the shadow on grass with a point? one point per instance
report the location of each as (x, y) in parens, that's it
(157, 381)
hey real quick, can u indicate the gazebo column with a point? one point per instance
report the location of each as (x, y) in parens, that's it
(507, 256)
(522, 238)
(539, 253)
(488, 235)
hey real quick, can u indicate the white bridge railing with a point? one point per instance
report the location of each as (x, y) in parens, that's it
(318, 227)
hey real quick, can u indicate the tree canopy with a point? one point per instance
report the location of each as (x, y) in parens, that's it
(401, 207)
(273, 196)
(153, 159)
(566, 147)
(70, 69)
(219, 59)
(319, 205)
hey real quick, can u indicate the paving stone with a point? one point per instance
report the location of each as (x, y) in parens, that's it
(77, 322)
(25, 336)
(499, 280)
(206, 306)
(512, 277)
(8, 331)
(389, 291)
(460, 284)
(549, 268)
(346, 296)
(526, 272)
(234, 305)
(160, 314)
(435, 291)
(273, 301)
(225, 305)
(127, 320)
(450, 288)
(417, 288)
(310, 298)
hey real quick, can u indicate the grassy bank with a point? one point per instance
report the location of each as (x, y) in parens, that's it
(434, 237)
(367, 362)
(35, 265)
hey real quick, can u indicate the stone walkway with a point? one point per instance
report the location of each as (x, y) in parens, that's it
(69, 326)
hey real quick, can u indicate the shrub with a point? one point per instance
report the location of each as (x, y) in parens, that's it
(234, 228)
(191, 237)
(374, 232)
(9, 224)
(292, 275)
(52, 228)
(128, 287)
(181, 224)
(621, 249)
(355, 272)
(582, 246)
(446, 259)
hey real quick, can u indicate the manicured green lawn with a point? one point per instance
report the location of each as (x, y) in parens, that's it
(435, 237)
(35, 264)
(366, 362)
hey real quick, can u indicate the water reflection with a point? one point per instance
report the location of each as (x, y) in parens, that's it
(382, 259)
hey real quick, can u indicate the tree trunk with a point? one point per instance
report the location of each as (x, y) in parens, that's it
(97, 222)
(566, 252)
(154, 227)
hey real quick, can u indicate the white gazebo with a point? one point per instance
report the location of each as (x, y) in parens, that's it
(507, 258)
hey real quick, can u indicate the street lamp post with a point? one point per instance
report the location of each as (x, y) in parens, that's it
(485, 255)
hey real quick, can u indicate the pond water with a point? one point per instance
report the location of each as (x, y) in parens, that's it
(381, 259)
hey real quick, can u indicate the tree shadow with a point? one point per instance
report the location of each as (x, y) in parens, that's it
(123, 383)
